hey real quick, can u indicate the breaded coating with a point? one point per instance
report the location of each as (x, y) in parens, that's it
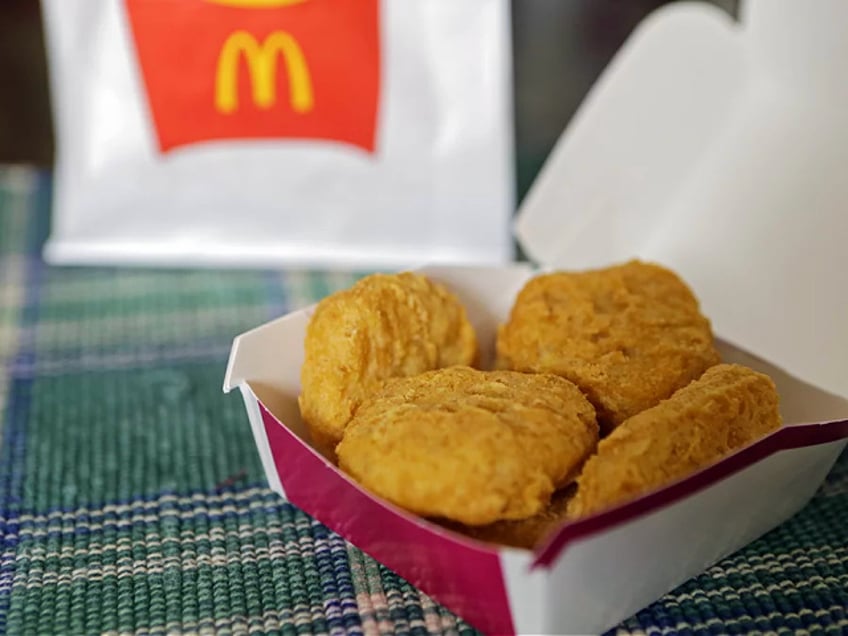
(727, 408)
(522, 533)
(384, 326)
(628, 336)
(471, 446)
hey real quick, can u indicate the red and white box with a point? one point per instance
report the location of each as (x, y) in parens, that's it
(592, 573)
(682, 181)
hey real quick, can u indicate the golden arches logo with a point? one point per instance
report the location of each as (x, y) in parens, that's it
(262, 69)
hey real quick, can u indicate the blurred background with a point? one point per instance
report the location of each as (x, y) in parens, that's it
(560, 47)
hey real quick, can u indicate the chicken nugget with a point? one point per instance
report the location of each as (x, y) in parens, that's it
(628, 336)
(522, 533)
(470, 446)
(727, 408)
(384, 326)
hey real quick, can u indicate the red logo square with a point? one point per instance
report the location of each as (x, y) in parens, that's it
(259, 69)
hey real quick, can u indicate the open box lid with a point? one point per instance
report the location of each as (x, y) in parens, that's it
(718, 149)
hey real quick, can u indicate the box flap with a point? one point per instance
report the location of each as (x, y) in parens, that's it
(717, 149)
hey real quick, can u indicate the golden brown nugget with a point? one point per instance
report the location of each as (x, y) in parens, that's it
(471, 446)
(522, 533)
(384, 326)
(628, 336)
(727, 408)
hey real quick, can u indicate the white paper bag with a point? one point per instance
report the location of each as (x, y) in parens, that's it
(363, 133)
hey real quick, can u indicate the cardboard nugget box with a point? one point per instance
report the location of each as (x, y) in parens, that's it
(591, 573)
(665, 178)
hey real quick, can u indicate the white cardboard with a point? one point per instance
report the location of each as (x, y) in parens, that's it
(251, 405)
(528, 592)
(718, 149)
(608, 577)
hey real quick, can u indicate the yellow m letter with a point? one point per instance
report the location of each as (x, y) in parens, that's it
(262, 68)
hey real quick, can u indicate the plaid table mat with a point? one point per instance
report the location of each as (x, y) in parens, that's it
(132, 499)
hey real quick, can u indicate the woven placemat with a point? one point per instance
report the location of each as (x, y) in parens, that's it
(132, 499)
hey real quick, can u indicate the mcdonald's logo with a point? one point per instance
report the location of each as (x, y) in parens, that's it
(259, 69)
(262, 66)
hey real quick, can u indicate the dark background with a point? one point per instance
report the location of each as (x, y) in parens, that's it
(560, 47)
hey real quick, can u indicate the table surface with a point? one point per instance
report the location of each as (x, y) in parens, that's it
(132, 499)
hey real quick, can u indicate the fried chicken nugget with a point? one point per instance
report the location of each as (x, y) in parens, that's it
(727, 408)
(628, 335)
(384, 326)
(522, 533)
(470, 446)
